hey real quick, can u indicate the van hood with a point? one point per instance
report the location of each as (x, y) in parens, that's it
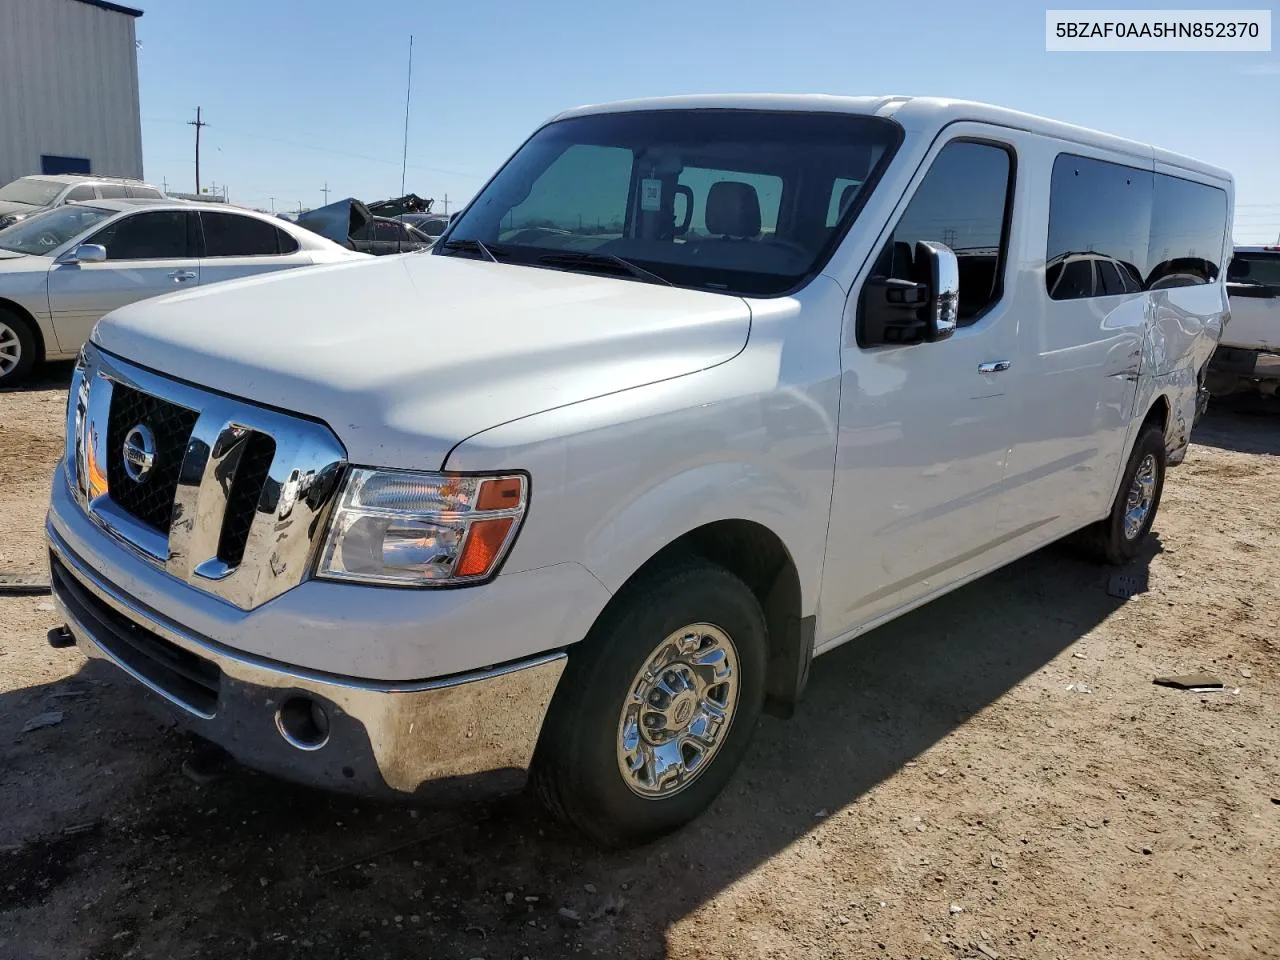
(404, 357)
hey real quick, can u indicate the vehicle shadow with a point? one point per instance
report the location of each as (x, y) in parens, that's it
(248, 865)
(46, 376)
(1239, 424)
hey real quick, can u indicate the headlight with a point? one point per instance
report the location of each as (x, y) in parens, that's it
(422, 529)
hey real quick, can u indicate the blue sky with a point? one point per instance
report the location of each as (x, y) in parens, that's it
(300, 95)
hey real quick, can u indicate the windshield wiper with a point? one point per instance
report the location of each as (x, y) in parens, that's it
(474, 246)
(603, 260)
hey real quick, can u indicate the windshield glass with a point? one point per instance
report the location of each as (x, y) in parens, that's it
(45, 232)
(38, 193)
(746, 201)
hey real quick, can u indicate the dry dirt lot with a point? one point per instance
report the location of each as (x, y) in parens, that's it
(948, 789)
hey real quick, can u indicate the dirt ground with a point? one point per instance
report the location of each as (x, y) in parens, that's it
(994, 775)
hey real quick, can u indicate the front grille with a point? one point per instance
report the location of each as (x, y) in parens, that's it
(183, 675)
(242, 501)
(151, 499)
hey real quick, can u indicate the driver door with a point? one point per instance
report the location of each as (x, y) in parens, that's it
(148, 254)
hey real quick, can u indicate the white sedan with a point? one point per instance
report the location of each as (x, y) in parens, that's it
(62, 270)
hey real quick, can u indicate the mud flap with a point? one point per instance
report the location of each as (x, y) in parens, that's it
(789, 667)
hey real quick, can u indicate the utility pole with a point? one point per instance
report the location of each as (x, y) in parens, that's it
(273, 204)
(446, 204)
(325, 191)
(299, 208)
(197, 123)
(165, 186)
(404, 163)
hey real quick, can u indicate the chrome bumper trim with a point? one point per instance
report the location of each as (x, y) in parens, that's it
(444, 735)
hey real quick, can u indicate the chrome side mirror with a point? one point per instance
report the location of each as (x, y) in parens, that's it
(85, 253)
(943, 270)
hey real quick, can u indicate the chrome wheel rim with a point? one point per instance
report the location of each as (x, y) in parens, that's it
(1142, 494)
(678, 711)
(10, 349)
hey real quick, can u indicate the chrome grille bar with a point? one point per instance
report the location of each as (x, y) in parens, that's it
(291, 509)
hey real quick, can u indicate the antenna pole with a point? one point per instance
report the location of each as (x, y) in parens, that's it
(404, 163)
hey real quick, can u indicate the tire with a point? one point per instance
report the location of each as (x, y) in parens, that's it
(578, 766)
(18, 347)
(1112, 540)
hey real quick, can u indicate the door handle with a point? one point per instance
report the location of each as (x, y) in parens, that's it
(995, 366)
(182, 276)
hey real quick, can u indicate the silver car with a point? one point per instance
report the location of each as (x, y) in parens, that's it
(27, 196)
(62, 270)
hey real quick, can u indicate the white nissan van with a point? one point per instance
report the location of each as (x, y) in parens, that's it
(693, 391)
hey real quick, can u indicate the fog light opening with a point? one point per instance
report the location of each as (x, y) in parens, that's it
(303, 723)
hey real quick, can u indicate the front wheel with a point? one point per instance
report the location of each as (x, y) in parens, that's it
(1118, 538)
(656, 707)
(17, 349)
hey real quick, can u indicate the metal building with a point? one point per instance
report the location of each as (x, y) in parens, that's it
(68, 89)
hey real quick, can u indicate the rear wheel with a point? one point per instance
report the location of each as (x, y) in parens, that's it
(656, 707)
(1118, 538)
(17, 348)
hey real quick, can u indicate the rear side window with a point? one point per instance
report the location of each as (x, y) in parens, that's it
(145, 193)
(963, 202)
(1136, 230)
(1099, 212)
(1259, 268)
(1188, 232)
(230, 235)
(82, 192)
(111, 191)
(160, 235)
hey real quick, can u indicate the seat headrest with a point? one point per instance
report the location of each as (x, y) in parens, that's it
(733, 209)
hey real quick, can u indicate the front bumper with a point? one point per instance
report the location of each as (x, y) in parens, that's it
(445, 737)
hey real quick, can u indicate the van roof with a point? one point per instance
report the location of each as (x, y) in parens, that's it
(917, 113)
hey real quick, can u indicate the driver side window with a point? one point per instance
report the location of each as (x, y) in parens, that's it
(963, 202)
(158, 235)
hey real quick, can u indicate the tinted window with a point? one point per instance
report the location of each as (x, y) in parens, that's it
(433, 228)
(1261, 268)
(388, 231)
(161, 235)
(287, 243)
(1071, 278)
(1188, 230)
(960, 202)
(111, 191)
(82, 192)
(1096, 208)
(229, 235)
(147, 193)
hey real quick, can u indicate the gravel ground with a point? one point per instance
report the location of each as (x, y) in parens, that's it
(993, 775)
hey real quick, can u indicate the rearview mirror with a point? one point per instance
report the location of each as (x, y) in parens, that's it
(85, 253)
(924, 309)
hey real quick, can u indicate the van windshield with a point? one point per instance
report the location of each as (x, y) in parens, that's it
(751, 202)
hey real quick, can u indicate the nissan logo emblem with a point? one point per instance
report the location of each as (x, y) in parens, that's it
(139, 452)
